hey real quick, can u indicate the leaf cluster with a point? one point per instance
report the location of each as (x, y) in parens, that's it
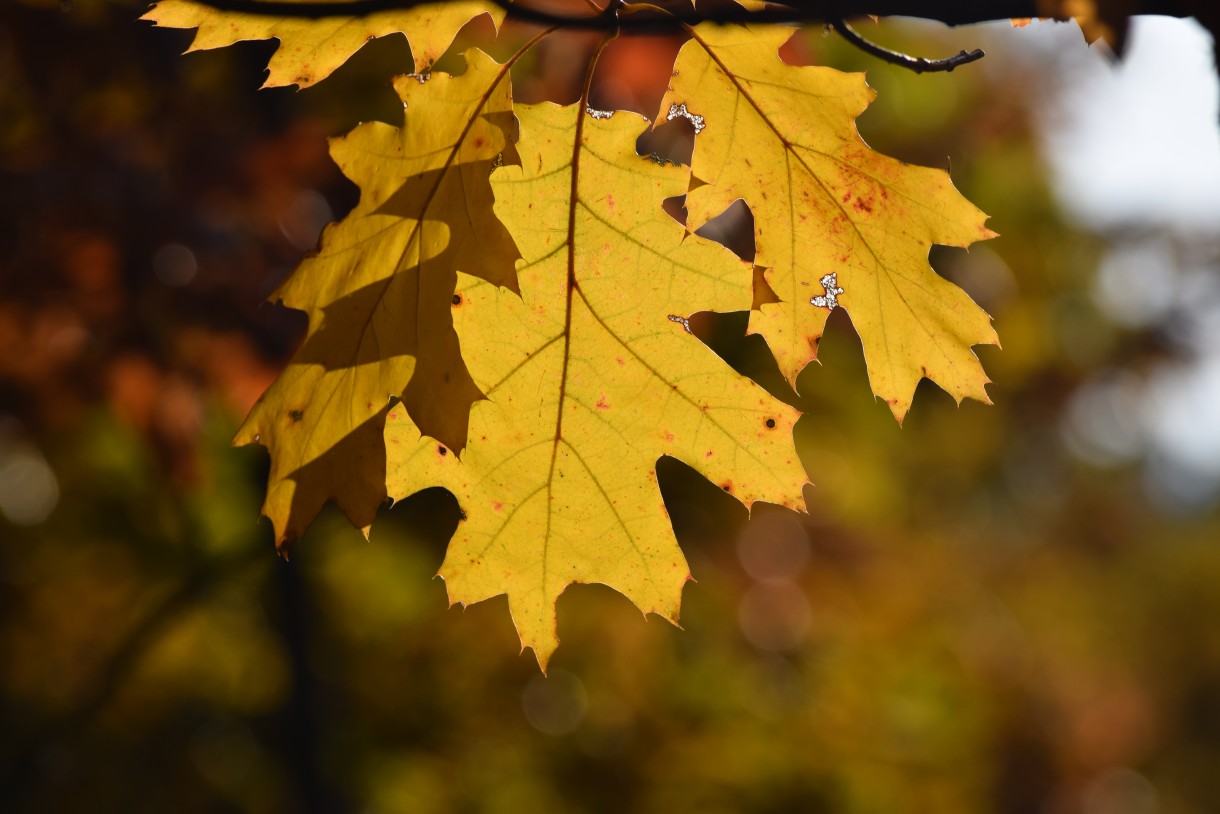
(506, 313)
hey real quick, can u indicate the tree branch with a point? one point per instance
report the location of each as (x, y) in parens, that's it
(916, 64)
(950, 12)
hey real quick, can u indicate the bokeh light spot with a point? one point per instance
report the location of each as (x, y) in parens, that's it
(775, 616)
(555, 704)
(29, 490)
(773, 546)
(175, 265)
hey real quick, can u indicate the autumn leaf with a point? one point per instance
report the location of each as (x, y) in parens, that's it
(378, 296)
(1098, 19)
(591, 375)
(836, 223)
(311, 49)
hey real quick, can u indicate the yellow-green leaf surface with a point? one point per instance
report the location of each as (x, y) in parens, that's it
(378, 297)
(589, 381)
(784, 139)
(311, 49)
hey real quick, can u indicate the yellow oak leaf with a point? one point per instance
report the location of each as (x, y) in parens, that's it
(591, 375)
(311, 49)
(378, 296)
(836, 223)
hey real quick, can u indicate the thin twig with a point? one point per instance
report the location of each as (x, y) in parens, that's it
(916, 64)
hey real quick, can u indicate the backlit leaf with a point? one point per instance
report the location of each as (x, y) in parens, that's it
(378, 297)
(311, 49)
(783, 138)
(591, 376)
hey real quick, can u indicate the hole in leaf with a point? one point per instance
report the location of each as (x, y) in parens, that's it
(733, 228)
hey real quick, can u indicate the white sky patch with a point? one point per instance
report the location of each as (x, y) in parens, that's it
(1137, 140)
(1134, 149)
(1184, 416)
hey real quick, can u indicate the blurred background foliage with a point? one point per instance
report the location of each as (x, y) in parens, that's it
(992, 609)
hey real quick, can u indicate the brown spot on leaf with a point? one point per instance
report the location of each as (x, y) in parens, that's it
(457, 299)
(861, 205)
(770, 422)
(442, 450)
(602, 404)
(296, 415)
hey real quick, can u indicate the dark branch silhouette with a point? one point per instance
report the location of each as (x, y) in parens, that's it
(950, 12)
(916, 64)
(616, 16)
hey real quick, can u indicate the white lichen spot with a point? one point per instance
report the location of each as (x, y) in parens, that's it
(680, 111)
(497, 162)
(830, 300)
(683, 321)
(598, 114)
(660, 161)
(421, 77)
